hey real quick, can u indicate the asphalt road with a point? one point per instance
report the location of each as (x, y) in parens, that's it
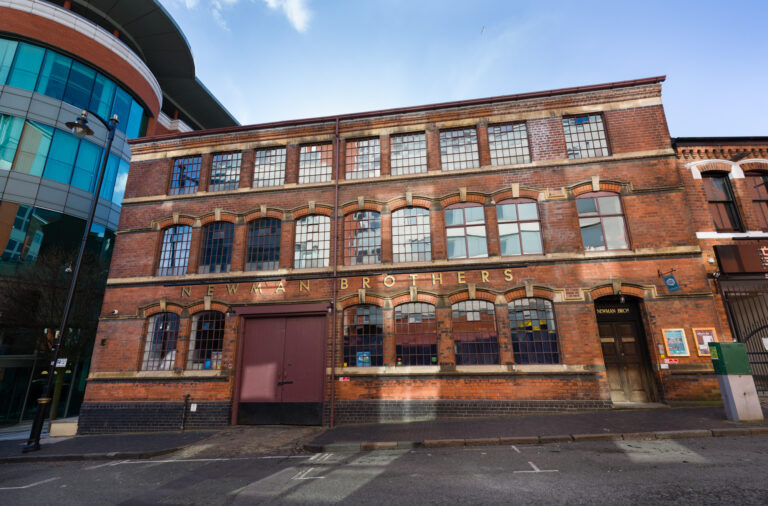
(687, 471)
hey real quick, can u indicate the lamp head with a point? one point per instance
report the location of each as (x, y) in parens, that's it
(80, 127)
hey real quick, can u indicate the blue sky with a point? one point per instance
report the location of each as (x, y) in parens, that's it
(272, 60)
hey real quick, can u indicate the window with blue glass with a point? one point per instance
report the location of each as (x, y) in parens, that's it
(79, 85)
(102, 96)
(53, 77)
(10, 134)
(61, 157)
(33, 148)
(26, 66)
(7, 51)
(86, 165)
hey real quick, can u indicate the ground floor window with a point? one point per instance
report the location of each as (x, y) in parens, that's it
(474, 333)
(415, 334)
(363, 336)
(534, 337)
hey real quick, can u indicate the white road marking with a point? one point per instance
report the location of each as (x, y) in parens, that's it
(31, 484)
(516, 448)
(304, 475)
(537, 470)
(285, 457)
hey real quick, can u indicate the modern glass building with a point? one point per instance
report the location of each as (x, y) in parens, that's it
(124, 57)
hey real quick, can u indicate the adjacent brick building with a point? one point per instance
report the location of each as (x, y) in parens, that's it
(480, 257)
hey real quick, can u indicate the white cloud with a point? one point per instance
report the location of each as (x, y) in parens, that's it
(296, 11)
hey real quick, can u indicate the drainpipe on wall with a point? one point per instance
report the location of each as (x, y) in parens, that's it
(334, 257)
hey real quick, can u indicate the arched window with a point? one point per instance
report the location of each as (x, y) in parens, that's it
(717, 190)
(757, 183)
(313, 244)
(465, 229)
(534, 336)
(206, 340)
(411, 235)
(519, 227)
(362, 238)
(263, 245)
(160, 345)
(217, 247)
(363, 336)
(416, 334)
(474, 333)
(174, 252)
(601, 220)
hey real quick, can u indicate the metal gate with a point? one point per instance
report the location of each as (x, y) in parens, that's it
(746, 302)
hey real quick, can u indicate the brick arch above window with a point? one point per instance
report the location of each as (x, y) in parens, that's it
(700, 167)
(509, 193)
(200, 307)
(226, 216)
(321, 209)
(470, 197)
(270, 212)
(370, 299)
(752, 164)
(402, 202)
(367, 205)
(539, 292)
(479, 294)
(588, 186)
(169, 221)
(158, 307)
(404, 298)
(604, 290)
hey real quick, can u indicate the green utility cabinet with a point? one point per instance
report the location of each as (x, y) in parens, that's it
(735, 379)
(729, 358)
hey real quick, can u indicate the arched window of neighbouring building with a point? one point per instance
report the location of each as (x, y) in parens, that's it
(160, 344)
(363, 336)
(206, 341)
(601, 220)
(474, 333)
(534, 336)
(415, 334)
(174, 252)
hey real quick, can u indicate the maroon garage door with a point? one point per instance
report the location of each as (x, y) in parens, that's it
(281, 381)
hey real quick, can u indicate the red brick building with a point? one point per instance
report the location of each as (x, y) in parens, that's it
(480, 257)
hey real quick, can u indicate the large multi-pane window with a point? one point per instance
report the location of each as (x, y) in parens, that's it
(465, 230)
(185, 177)
(315, 163)
(411, 235)
(722, 206)
(313, 244)
(174, 252)
(206, 341)
(362, 238)
(534, 336)
(519, 227)
(585, 136)
(508, 144)
(263, 245)
(408, 154)
(160, 344)
(33, 68)
(269, 167)
(217, 247)
(363, 336)
(32, 148)
(416, 334)
(601, 221)
(363, 158)
(474, 333)
(225, 171)
(458, 149)
(757, 184)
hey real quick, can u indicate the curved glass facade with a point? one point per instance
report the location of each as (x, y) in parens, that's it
(47, 72)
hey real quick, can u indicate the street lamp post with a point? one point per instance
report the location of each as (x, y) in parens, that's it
(79, 129)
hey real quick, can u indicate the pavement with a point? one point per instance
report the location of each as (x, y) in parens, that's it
(238, 441)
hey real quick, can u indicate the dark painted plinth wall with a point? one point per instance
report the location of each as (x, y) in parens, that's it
(110, 417)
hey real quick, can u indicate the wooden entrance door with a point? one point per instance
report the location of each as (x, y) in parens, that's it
(624, 364)
(281, 381)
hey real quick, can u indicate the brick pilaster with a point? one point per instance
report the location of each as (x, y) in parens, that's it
(483, 150)
(292, 163)
(246, 169)
(384, 146)
(434, 164)
(205, 172)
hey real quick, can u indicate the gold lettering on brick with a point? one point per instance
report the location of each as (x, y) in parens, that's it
(232, 288)
(256, 288)
(484, 276)
(210, 290)
(186, 291)
(460, 277)
(507, 274)
(304, 285)
(437, 278)
(280, 287)
(389, 281)
(343, 283)
(366, 282)
(413, 279)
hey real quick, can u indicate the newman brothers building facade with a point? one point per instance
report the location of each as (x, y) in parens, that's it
(491, 256)
(57, 59)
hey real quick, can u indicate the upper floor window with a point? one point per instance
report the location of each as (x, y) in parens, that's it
(474, 332)
(263, 245)
(362, 238)
(217, 247)
(722, 206)
(757, 182)
(363, 158)
(458, 149)
(519, 227)
(508, 144)
(465, 229)
(315, 163)
(602, 222)
(534, 337)
(363, 336)
(174, 252)
(186, 175)
(411, 235)
(206, 341)
(408, 154)
(416, 334)
(313, 244)
(225, 172)
(160, 344)
(269, 167)
(585, 136)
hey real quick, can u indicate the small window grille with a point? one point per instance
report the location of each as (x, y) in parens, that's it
(408, 154)
(174, 253)
(312, 246)
(217, 247)
(534, 337)
(508, 144)
(206, 341)
(263, 244)
(362, 241)
(225, 172)
(585, 136)
(186, 175)
(269, 167)
(474, 333)
(160, 345)
(458, 149)
(363, 158)
(416, 334)
(411, 236)
(363, 336)
(315, 163)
